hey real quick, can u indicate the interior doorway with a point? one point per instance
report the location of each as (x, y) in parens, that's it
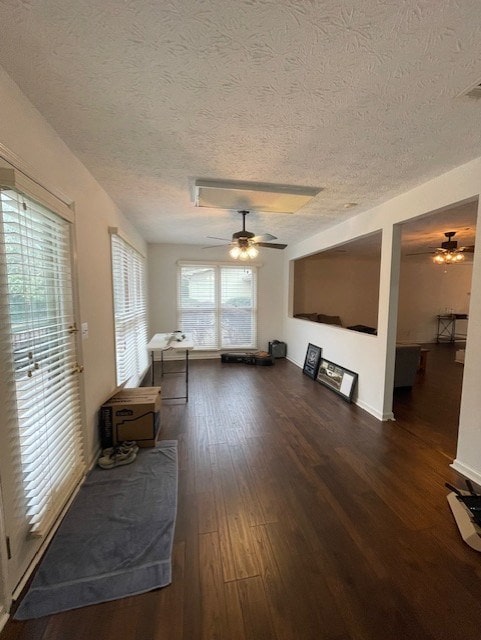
(430, 409)
(433, 312)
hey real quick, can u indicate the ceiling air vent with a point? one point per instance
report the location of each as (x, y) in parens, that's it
(236, 195)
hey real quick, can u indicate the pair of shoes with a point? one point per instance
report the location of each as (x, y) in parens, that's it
(115, 457)
(125, 447)
(130, 444)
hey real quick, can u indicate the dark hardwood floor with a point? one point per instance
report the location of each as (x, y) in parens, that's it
(301, 517)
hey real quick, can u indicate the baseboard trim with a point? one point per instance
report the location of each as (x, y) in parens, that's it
(379, 415)
(466, 471)
(294, 362)
(3, 618)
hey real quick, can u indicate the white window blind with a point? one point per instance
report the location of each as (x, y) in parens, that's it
(38, 356)
(130, 311)
(217, 304)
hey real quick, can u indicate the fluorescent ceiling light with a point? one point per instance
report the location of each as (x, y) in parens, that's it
(253, 196)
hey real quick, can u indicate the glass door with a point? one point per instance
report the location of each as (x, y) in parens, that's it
(41, 458)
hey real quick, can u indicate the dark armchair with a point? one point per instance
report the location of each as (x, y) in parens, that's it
(406, 364)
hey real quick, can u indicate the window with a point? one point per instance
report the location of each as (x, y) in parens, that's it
(130, 311)
(40, 391)
(217, 304)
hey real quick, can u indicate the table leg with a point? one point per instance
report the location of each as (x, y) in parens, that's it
(186, 375)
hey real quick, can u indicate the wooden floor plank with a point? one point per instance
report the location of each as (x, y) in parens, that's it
(214, 611)
(256, 613)
(235, 619)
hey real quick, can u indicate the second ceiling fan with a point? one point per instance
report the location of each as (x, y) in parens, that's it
(448, 252)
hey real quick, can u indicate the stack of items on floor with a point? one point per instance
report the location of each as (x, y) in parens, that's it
(128, 420)
(259, 357)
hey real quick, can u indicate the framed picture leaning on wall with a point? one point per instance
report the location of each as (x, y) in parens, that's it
(337, 378)
(313, 358)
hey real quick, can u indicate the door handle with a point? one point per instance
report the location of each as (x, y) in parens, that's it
(77, 369)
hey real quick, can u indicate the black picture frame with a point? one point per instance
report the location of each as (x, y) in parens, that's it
(312, 360)
(339, 379)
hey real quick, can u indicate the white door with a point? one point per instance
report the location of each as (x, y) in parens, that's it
(41, 459)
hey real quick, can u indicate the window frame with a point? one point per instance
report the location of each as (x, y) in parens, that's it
(218, 268)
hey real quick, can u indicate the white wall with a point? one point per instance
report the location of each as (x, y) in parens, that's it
(24, 133)
(373, 356)
(426, 290)
(162, 268)
(363, 353)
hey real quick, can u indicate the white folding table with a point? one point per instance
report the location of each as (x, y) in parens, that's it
(176, 341)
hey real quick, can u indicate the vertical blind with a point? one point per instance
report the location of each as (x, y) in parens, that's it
(217, 304)
(130, 311)
(38, 356)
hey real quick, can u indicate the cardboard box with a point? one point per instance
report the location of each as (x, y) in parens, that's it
(131, 414)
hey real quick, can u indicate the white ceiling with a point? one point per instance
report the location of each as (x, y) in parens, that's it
(359, 98)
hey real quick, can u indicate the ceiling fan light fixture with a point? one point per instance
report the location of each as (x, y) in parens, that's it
(243, 253)
(449, 257)
(244, 243)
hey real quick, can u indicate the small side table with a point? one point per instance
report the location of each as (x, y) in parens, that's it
(169, 341)
(446, 331)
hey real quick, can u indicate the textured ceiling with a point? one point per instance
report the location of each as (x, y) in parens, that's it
(360, 98)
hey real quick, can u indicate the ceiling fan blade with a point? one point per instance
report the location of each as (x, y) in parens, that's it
(468, 249)
(423, 253)
(216, 238)
(266, 237)
(271, 245)
(212, 246)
